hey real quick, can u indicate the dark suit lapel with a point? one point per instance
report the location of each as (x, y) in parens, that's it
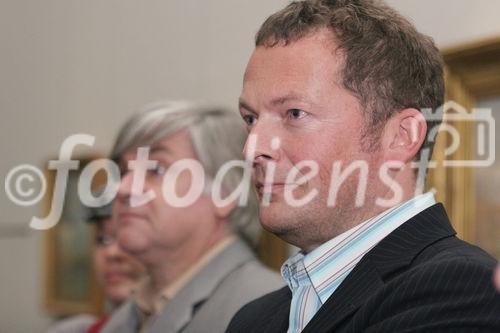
(391, 255)
(281, 313)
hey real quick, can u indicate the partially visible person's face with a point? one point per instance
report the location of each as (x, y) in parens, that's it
(294, 93)
(157, 227)
(117, 272)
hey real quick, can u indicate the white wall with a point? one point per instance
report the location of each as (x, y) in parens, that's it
(70, 66)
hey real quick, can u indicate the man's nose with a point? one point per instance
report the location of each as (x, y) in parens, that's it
(263, 143)
(125, 186)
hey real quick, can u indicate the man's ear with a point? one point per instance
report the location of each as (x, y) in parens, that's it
(404, 134)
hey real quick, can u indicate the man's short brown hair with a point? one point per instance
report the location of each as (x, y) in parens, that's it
(388, 65)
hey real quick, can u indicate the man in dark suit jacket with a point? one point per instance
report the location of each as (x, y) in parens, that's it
(429, 282)
(336, 89)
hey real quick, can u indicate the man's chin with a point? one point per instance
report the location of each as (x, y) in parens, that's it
(276, 223)
(287, 223)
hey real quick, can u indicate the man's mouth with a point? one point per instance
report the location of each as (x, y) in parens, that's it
(262, 187)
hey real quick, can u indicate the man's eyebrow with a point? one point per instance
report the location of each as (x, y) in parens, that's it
(153, 149)
(287, 98)
(159, 149)
(292, 97)
(244, 105)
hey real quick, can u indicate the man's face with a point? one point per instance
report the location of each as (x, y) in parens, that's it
(157, 225)
(294, 93)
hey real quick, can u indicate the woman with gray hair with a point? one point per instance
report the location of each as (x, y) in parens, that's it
(200, 270)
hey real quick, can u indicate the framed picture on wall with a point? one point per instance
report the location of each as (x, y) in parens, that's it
(70, 286)
(469, 193)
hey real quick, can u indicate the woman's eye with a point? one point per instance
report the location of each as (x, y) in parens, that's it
(249, 119)
(296, 113)
(104, 240)
(159, 170)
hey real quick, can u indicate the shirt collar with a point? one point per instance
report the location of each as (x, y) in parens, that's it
(315, 268)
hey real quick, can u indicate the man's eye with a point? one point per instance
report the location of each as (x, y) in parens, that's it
(296, 113)
(249, 119)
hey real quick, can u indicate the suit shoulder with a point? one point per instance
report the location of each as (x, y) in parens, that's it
(245, 283)
(255, 273)
(452, 289)
(249, 282)
(453, 250)
(451, 262)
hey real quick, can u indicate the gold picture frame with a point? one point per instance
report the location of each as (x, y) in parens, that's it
(472, 71)
(70, 286)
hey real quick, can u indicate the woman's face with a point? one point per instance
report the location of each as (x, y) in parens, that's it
(117, 272)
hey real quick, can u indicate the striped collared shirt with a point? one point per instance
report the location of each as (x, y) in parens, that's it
(314, 277)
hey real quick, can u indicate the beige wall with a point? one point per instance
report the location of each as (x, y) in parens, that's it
(71, 66)
(452, 22)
